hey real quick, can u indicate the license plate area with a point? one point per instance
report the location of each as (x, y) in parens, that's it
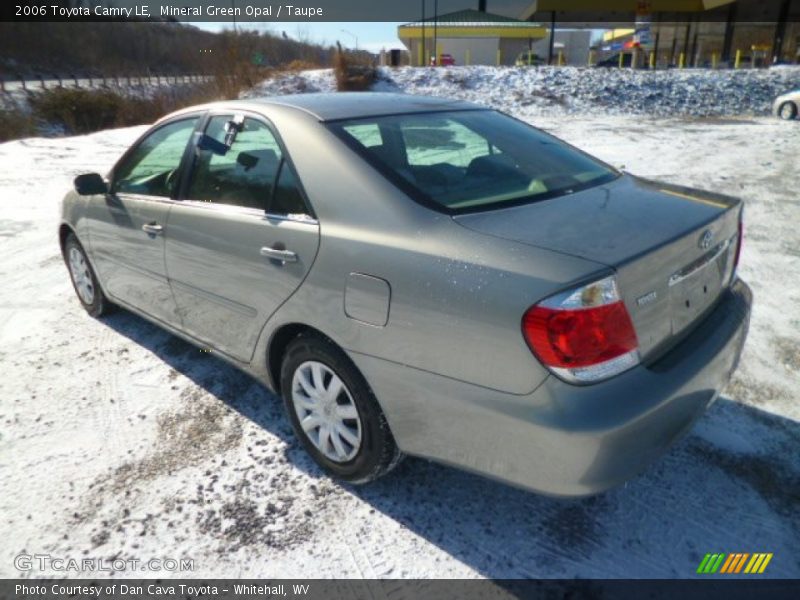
(695, 287)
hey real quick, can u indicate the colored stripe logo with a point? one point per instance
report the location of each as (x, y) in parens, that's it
(737, 562)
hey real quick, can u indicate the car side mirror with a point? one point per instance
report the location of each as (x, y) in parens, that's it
(90, 184)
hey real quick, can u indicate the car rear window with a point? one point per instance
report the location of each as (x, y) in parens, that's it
(466, 161)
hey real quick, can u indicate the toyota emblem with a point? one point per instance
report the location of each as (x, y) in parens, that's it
(706, 239)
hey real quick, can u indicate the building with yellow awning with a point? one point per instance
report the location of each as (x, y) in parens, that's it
(470, 37)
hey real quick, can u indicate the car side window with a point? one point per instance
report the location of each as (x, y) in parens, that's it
(151, 168)
(242, 174)
(288, 200)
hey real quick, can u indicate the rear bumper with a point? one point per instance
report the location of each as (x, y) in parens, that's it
(562, 439)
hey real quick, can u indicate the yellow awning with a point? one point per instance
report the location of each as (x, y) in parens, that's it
(613, 34)
(533, 33)
(625, 5)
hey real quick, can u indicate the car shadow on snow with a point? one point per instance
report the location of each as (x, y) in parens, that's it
(214, 376)
(731, 485)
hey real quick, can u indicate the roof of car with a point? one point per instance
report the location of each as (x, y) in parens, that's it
(353, 105)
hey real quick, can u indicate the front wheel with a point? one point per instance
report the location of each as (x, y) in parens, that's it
(334, 412)
(787, 111)
(83, 278)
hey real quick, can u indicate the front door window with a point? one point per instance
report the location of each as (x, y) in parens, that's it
(151, 169)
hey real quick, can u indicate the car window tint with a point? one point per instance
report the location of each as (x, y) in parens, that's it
(368, 134)
(242, 175)
(442, 141)
(288, 200)
(474, 160)
(151, 168)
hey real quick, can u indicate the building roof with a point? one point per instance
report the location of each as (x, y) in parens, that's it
(472, 18)
(620, 11)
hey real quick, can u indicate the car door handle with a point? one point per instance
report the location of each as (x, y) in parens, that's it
(279, 254)
(152, 228)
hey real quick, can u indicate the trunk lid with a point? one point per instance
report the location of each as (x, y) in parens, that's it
(673, 248)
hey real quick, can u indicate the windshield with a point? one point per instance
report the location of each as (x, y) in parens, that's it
(464, 161)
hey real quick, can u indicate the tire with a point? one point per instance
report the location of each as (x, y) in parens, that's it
(787, 111)
(366, 448)
(84, 280)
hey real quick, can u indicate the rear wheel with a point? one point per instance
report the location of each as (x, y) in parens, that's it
(83, 278)
(787, 111)
(334, 412)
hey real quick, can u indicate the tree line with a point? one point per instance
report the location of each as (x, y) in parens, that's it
(140, 47)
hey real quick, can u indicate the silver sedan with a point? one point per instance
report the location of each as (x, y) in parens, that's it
(420, 276)
(787, 106)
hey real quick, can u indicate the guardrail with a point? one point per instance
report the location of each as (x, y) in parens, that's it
(40, 82)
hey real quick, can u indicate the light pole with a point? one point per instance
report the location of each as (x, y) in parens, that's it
(436, 33)
(355, 37)
(423, 58)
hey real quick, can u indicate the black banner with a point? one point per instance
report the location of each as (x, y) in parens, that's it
(605, 12)
(316, 589)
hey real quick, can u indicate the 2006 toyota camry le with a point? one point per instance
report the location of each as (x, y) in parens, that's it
(422, 276)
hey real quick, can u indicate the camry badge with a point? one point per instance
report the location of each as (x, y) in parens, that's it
(647, 298)
(706, 239)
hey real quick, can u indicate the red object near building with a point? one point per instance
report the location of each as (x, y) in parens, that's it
(445, 60)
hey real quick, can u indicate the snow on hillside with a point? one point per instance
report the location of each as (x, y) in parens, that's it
(573, 90)
(117, 440)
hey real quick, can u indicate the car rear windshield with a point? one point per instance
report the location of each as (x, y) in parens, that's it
(466, 161)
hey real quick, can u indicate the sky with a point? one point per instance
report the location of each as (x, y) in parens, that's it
(371, 36)
(368, 36)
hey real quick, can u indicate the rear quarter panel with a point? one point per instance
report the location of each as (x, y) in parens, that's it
(457, 297)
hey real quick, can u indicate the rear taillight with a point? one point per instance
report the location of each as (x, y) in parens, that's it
(583, 335)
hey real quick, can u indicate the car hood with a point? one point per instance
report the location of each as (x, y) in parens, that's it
(610, 224)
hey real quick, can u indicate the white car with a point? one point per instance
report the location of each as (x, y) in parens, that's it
(787, 107)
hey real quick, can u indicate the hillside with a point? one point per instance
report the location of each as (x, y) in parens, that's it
(131, 47)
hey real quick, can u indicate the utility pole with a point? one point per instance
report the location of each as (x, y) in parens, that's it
(686, 37)
(435, 32)
(730, 24)
(353, 35)
(423, 59)
(780, 31)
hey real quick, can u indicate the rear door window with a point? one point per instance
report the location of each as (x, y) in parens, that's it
(243, 174)
(288, 199)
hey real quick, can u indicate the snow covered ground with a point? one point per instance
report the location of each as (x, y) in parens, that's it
(551, 91)
(118, 440)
